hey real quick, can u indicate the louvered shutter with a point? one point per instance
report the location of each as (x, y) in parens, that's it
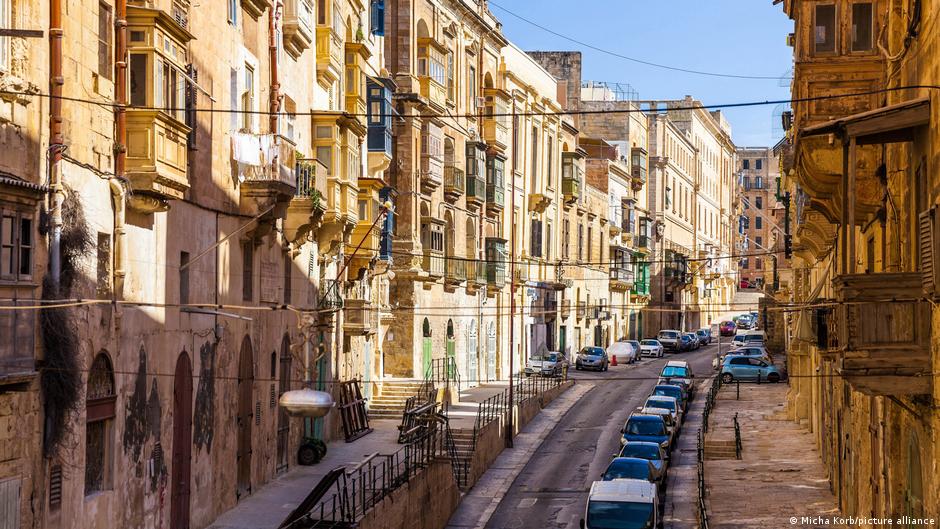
(926, 246)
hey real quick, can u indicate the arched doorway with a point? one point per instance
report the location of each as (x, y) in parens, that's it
(451, 346)
(425, 346)
(491, 352)
(182, 443)
(245, 416)
(283, 421)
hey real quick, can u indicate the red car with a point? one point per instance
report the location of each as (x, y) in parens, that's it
(727, 328)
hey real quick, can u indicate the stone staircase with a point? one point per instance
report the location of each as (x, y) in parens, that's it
(463, 444)
(389, 403)
(720, 449)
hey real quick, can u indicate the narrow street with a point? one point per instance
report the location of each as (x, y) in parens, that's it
(552, 488)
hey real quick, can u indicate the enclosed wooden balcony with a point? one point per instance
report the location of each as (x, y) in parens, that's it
(455, 270)
(434, 264)
(432, 72)
(496, 119)
(476, 274)
(156, 156)
(432, 157)
(881, 330)
(360, 317)
(455, 183)
(298, 27)
(621, 279)
(330, 59)
(476, 190)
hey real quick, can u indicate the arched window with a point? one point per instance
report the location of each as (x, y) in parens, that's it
(450, 329)
(99, 423)
(426, 328)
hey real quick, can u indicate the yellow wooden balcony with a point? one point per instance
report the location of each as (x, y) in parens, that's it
(621, 279)
(496, 119)
(156, 157)
(434, 91)
(298, 28)
(330, 60)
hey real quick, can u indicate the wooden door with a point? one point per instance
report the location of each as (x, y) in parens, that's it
(283, 421)
(182, 443)
(491, 352)
(472, 354)
(245, 416)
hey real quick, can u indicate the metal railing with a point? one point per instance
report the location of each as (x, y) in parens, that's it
(737, 438)
(710, 401)
(361, 487)
(702, 508)
(444, 371)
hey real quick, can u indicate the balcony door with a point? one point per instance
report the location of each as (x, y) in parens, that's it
(426, 346)
(472, 354)
(491, 352)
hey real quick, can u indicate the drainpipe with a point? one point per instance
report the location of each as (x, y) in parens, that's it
(56, 141)
(117, 184)
(272, 50)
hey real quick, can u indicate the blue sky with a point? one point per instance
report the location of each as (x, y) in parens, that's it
(742, 37)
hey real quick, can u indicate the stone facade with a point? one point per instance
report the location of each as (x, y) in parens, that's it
(863, 205)
(757, 169)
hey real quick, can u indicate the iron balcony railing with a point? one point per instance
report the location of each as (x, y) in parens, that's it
(455, 269)
(434, 262)
(331, 294)
(311, 180)
(476, 272)
(454, 180)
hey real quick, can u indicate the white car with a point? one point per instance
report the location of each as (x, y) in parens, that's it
(668, 403)
(622, 502)
(651, 348)
(624, 351)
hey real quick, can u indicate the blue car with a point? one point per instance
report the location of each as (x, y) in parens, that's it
(748, 369)
(652, 452)
(648, 428)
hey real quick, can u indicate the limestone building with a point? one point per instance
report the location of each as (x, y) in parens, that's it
(863, 217)
(757, 172)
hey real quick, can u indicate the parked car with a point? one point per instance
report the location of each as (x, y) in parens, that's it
(685, 343)
(551, 364)
(672, 390)
(632, 468)
(638, 353)
(624, 352)
(668, 403)
(649, 451)
(748, 369)
(748, 338)
(753, 350)
(694, 342)
(592, 358)
(622, 503)
(652, 348)
(704, 336)
(646, 427)
(678, 371)
(727, 328)
(670, 339)
(672, 426)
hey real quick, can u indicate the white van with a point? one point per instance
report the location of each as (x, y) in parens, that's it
(622, 503)
(748, 338)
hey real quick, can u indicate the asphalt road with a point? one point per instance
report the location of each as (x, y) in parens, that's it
(551, 490)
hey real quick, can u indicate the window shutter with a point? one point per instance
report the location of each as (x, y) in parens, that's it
(927, 229)
(378, 18)
(233, 104)
(191, 105)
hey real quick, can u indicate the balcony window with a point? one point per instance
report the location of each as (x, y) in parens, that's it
(862, 26)
(16, 246)
(476, 161)
(432, 234)
(380, 117)
(535, 238)
(495, 167)
(638, 160)
(824, 29)
(431, 61)
(99, 418)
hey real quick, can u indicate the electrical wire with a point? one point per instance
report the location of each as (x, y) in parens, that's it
(633, 59)
(716, 106)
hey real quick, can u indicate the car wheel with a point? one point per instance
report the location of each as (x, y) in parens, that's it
(773, 377)
(726, 378)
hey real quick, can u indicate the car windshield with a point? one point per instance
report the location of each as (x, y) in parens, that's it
(552, 357)
(670, 391)
(668, 334)
(657, 427)
(649, 342)
(661, 403)
(641, 450)
(701, 333)
(591, 351)
(619, 515)
(627, 469)
(675, 371)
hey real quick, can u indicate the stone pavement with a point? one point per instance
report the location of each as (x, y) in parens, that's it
(272, 502)
(478, 505)
(681, 511)
(779, 475)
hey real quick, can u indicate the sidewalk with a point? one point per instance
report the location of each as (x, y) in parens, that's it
(681, 511)
(779, 475)
(272, 502)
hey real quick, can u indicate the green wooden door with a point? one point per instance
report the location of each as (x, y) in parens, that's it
(426, 355)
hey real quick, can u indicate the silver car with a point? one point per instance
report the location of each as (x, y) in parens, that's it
(548, 365)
